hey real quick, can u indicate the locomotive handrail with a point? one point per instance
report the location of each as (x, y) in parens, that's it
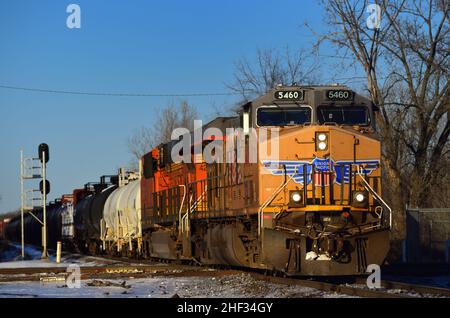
(269, 200)
(191, 210)
(196, 203)
(374, 193)
(182, 217)
(181, 208)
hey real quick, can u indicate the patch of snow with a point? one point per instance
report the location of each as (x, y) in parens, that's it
(233, 286)
(310, 256)
(12, 259)
(31, 264)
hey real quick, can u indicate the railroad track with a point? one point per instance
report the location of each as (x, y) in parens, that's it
(31, 273)
(120, 267)
(357, 288)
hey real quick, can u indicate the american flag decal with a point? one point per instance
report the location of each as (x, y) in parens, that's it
(333, 171)
(327, 177)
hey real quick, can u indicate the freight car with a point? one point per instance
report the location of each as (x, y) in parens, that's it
(315, 209)
(74, 219)
(33, 227)
(88, 213)
(121, 231)
(54, 223)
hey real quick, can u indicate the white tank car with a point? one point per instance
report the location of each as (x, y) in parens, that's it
(121, 223)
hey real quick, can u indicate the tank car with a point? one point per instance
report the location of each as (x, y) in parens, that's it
(313, 209)
(121, 223)
(88, 213)
(33, 227)
(54, 223)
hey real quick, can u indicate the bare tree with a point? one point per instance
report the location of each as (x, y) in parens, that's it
(271, 68)
(172, 116)
(406, 63)
(141, 142)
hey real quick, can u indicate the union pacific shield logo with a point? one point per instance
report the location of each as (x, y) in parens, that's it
(326, 171)
(322, 170)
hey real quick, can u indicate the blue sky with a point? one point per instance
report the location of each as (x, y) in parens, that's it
(159, 47)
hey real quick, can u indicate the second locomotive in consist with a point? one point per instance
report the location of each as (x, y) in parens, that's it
(313, 208)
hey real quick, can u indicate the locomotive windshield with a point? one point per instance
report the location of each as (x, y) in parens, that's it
(283, 116)
(343, 115)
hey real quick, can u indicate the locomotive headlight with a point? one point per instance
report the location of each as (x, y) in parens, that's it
(322, 145)
(322, 137)
(360, 199)
(321, 141)
(295, 198)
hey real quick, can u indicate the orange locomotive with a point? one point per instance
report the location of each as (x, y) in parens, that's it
(313, 208)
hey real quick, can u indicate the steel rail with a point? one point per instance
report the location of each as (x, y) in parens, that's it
(356, 288)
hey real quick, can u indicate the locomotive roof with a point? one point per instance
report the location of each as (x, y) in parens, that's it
(312, 99)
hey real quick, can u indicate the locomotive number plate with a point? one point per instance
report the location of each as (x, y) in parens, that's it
(289, 95)
(339, 95)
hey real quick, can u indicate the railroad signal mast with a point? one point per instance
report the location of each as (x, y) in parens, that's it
(31, 198)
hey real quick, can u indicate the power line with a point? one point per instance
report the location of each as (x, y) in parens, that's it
(39, 90)
(70, 92)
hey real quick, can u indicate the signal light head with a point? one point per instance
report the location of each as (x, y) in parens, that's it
(43, 150)
(47, 187)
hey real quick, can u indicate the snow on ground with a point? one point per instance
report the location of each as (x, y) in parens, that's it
(12, 252)
(233, 286)
(11, 258)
